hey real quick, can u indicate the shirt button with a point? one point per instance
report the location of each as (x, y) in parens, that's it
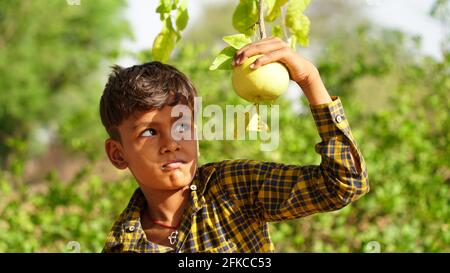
(339, 118)
(193, 187)
(131, 228)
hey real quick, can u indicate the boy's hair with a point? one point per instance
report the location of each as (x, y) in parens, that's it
(142, 87)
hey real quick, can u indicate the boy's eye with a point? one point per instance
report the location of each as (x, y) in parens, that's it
(148, 132)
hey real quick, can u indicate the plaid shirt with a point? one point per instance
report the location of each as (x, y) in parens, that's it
(234, 199)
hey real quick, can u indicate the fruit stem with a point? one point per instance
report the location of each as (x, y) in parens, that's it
(258, 116)
(262, 126)
(261, 26)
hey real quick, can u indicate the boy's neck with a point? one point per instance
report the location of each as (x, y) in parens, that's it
(166, 206)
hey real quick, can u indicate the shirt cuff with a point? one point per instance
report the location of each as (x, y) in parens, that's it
(330, 119)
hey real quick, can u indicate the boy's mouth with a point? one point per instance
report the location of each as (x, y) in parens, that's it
(172, 165)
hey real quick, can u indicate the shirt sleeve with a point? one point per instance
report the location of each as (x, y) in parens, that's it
(272, 191)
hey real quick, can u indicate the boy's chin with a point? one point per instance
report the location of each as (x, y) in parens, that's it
(178, 179)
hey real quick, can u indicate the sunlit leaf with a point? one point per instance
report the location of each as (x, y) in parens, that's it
(277, 31)
(165, 6)
(297, 23)
(182, 17)
(245, 16)
(174, 4)
(224, 59)
(269, 5)
(164, 42)
(237, 41)
(275, 12)
(302, 34)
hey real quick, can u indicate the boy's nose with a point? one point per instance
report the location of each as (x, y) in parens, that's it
(170, 145)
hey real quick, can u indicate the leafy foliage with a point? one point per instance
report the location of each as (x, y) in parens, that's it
(47, 219)
(297, 22)
(245, 19)
(395, 99)
(49, 58)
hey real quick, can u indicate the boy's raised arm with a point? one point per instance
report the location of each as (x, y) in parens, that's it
(272, 191)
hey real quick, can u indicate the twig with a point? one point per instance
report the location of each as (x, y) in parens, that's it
(283, 22)
(262, 28)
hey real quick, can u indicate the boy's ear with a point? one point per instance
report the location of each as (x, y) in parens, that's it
(115, 154)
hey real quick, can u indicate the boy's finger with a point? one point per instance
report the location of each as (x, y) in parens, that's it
(268, 40)
(269, 58)
(257, 49)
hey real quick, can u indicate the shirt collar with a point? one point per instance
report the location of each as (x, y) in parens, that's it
(129, 221)
(127, 224)
(202, 178)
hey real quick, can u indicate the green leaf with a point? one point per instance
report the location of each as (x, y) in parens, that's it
(277, 31)
(177, 36)
(275, 12)
(302, 33)
(237, 41)
(269, 5)
(165, 6)
(182, 16)
(245, 17)
(294, 11)
(175, 4)
(162, 46)
(297, 6)
(297, 23)
(168, 26)
(224, 59)
(164, 42)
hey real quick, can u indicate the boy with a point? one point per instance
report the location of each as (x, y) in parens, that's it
(220, 206)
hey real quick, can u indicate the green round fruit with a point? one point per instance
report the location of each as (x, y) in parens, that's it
(264, 84)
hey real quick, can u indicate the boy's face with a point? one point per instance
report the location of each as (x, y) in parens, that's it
(152, 153)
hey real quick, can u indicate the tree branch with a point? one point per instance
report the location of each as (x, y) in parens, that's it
(262, 28)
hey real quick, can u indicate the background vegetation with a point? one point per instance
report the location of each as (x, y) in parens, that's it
(57, 186)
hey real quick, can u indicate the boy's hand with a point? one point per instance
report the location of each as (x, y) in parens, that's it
(303, 72)
(276, 50)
